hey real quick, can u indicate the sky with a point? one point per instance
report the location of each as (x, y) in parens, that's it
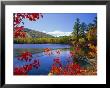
(58, 24)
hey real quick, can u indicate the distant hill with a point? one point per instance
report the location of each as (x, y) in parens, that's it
(36, 34)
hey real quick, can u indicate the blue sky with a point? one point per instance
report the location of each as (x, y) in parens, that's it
(58, 24)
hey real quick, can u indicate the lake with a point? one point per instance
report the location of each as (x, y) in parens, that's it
(46, 61)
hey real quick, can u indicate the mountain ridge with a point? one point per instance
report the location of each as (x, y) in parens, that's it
(36, 34)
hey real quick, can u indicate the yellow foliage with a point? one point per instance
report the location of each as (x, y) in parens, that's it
(93, 48)
(91, 54)
(92, 34)
(82, 40)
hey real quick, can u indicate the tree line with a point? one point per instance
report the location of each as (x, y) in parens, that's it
(57, 40)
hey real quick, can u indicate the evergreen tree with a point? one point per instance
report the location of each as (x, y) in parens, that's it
(93, 25)
(76, 29)
(83, 29)
(95, 22)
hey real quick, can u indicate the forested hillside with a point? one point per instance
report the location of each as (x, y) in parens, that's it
(36, 34)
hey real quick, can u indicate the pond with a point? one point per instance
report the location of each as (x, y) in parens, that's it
(46, 61)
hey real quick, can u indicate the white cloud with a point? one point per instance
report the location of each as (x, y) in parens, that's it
(55, 33)
(59, 33)
(44, 31)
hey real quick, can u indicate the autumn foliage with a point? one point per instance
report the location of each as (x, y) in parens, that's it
(26, 68)
(82, 44)
(18, 19)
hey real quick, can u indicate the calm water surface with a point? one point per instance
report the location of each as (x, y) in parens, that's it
(45, 60)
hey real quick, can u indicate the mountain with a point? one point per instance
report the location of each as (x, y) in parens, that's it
(36, 34)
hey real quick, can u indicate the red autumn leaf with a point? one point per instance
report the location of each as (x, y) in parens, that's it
(20, 71)
(36, 63)
(47, 51)
(56, 60)
(58, 51)
(26, 68)
(18, 18)
(25, 56)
